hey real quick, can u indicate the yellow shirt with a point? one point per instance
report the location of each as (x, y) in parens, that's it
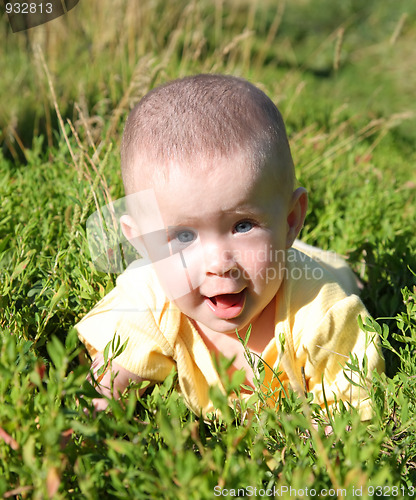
(316, 314)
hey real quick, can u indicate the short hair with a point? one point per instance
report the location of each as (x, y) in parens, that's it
(202, 117)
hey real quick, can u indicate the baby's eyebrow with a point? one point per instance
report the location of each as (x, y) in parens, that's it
(241, 212)
(182, 222)
(247, 211)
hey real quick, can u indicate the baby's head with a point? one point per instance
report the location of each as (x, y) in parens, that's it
(194, 121)
(214, 151)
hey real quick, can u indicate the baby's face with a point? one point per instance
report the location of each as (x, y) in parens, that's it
(226, 233)
(229, 232)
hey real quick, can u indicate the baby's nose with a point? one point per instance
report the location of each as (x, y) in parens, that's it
(218, 258)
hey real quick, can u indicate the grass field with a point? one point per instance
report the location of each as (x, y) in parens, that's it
(344, 78)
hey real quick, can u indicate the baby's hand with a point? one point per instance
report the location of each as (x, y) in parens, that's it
(328, 430)
(114, 377)
(100, 404)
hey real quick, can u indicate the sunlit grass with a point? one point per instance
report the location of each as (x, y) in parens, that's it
(343, 77)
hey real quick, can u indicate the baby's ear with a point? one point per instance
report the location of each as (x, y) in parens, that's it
(132, 234)
(128, 226)
(296, 216)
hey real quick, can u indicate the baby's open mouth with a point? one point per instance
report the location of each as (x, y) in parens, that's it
(227, 305)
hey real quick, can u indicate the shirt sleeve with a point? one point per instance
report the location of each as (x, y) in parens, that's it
(327, 348)
(317, 320)
(131, 318)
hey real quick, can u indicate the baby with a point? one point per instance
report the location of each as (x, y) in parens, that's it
(209, 156)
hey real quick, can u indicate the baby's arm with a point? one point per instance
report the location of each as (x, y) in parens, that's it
(115, 377)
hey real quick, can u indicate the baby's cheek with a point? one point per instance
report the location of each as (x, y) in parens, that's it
(267, 273)
(259, 258)
(181, 273)
(193, 264)
(189, 304)
(173, 277)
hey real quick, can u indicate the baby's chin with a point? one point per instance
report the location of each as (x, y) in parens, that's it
(226, 327)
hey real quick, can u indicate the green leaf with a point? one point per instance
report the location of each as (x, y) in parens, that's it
(59, 295)
(19, 268)
(56, 351)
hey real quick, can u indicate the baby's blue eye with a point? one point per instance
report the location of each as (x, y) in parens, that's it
(243, 226)
(179, 238)
(185, 236)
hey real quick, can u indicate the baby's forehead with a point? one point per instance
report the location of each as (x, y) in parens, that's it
(258, 169)
(186, 197)
(227, 181)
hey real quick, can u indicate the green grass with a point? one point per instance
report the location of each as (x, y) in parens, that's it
(343, 76)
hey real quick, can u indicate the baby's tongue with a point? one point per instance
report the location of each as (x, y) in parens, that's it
(226, 300)
(227, 305)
